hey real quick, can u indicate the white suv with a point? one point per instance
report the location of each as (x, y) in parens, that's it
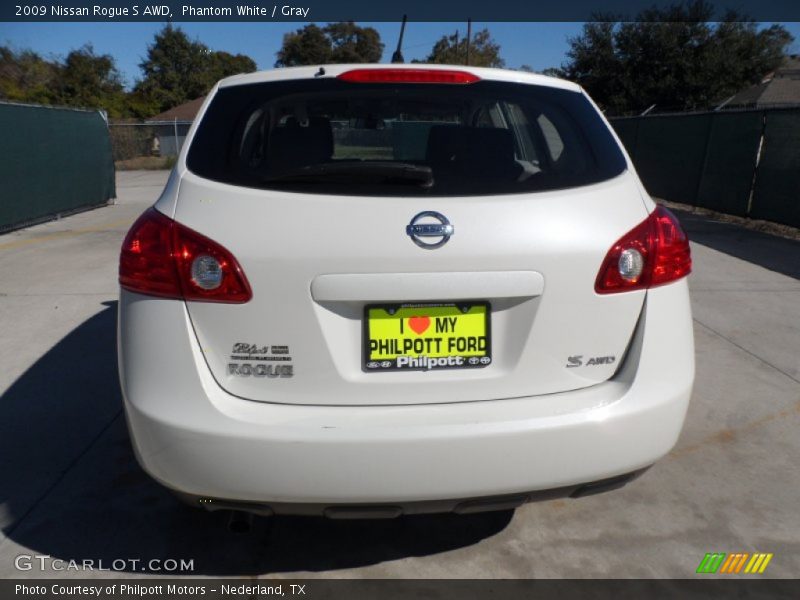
(373, 290)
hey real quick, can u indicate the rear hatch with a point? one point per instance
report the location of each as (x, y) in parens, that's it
(328, 193)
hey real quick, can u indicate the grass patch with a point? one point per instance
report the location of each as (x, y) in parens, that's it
(363, 153)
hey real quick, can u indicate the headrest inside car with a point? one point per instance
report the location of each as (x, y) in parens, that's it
(480, 151)
(292, 146)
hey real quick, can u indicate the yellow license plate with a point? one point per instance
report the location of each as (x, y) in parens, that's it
(426, 336)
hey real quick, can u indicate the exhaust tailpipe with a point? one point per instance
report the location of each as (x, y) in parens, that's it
(240, 522)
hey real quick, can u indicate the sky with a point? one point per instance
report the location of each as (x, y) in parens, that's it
(539, 45)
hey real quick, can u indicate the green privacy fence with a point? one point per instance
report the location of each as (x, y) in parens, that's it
(741, 163)
(776, 196)
(52, 161)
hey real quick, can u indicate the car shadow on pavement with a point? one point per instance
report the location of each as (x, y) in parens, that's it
(71, 489)
(772, 252)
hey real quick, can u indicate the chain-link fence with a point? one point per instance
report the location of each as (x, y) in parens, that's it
(148, 144)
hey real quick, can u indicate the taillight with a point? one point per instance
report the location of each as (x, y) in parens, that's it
(653, 253)
(160, 257)
(407, 76)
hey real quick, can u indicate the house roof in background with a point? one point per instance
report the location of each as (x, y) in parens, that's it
(779, 88)
(183, 112)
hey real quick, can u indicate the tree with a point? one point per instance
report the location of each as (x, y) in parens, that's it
(452, 50)
(335, 43)
(595, 65)
(83, 79)
(140, 106)
(306, 46)
(178, 69)
(223, 64)
(744, 54)
(554, 72)
(673, 57)
(27, 77)
(172, 69)
(549, 71)
(91, 80)
(352, 44)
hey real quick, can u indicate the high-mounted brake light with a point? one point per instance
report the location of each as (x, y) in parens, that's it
(163, 258)
(407, 76)
(653, 253)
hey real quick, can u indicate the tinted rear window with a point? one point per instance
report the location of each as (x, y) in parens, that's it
(329, 136)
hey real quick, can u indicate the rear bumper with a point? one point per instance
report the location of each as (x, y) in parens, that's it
(196, 439)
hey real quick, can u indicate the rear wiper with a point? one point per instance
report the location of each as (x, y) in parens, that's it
(357, 172)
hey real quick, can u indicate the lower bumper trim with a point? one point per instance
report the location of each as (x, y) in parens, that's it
(381, 511)
(605, 485)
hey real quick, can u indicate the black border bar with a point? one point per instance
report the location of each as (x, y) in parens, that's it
(367, 10)
(386, 589)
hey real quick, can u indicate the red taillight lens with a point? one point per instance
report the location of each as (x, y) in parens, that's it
(407, 76)
(146, 264)
(160, 257)
(661, 252)
(673, 256)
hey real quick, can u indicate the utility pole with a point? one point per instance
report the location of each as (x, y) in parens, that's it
(397, 57)
(469, 37)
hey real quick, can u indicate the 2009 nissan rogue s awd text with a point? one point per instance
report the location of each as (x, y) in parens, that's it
(373, 290)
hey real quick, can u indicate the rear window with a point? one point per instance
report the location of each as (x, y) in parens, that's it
(330, 136)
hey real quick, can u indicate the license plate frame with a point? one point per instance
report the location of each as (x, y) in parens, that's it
(477, 358)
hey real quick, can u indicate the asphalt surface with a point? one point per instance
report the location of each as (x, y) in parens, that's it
(71, 489)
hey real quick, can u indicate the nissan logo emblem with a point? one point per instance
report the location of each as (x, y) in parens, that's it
(430, 224)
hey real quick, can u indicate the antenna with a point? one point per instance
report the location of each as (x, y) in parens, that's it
(469, 37)
(397, 57)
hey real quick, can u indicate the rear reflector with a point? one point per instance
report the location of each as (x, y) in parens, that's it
(407, 76)
(163, 258)
(661, 246)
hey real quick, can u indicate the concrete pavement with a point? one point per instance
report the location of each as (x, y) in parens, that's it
(70, 487)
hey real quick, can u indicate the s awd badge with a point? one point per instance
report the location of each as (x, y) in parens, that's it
(577, 361)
